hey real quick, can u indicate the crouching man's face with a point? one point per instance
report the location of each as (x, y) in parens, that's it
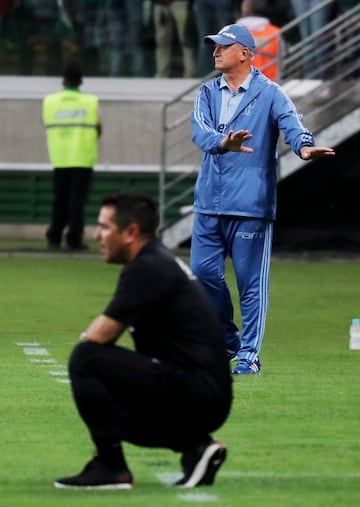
(115, 244)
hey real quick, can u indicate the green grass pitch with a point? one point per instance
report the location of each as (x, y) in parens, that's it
(293, 435)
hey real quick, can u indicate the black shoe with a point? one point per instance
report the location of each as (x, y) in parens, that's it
(201, 464)
(53, 247)
(77, 248)
(232, 350)
(96, 475)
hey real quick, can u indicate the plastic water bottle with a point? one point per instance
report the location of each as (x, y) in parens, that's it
(355, 334)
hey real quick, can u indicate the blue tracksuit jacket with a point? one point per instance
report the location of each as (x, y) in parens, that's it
(237, 183)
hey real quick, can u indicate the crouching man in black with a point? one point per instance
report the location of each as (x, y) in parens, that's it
(175, 388)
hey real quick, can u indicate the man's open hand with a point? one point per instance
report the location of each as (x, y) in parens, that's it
(314, 152)
(233, 141)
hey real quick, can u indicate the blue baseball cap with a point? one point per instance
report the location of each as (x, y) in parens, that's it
(231, 34)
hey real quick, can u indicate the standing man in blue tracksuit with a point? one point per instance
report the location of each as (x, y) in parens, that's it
(235, 193)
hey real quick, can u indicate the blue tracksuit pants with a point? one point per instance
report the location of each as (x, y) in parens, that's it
(248, 242)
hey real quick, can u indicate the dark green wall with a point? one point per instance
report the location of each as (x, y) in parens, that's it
(26, 196)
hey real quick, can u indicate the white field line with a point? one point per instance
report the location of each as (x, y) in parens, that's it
(168, 478)
(286, 475)
(35, 351)
(43, 361)
(198, 497)
(171, 477)
(28, 344)
(58, 371)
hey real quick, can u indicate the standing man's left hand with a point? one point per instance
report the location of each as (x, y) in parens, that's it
(314, 152)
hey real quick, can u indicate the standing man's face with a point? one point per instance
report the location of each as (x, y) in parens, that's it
(229, 58)
(114, 244)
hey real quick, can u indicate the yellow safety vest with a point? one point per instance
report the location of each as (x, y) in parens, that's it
(71, 119)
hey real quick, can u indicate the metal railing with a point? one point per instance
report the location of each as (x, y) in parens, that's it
(329, 58)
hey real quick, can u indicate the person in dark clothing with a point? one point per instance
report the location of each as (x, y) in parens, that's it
(73, 126)
(175, 388)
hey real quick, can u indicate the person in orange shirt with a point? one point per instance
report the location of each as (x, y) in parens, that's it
(253, 17)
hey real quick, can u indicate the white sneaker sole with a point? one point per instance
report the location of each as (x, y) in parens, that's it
(100, 487)
(213, 456)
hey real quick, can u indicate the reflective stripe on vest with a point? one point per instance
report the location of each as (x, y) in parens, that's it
(71, 119)
(265, 54)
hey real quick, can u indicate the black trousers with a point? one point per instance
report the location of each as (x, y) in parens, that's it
(124, 396)
(71, 188)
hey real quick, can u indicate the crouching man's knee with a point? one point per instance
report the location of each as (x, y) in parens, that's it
(82, 356)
